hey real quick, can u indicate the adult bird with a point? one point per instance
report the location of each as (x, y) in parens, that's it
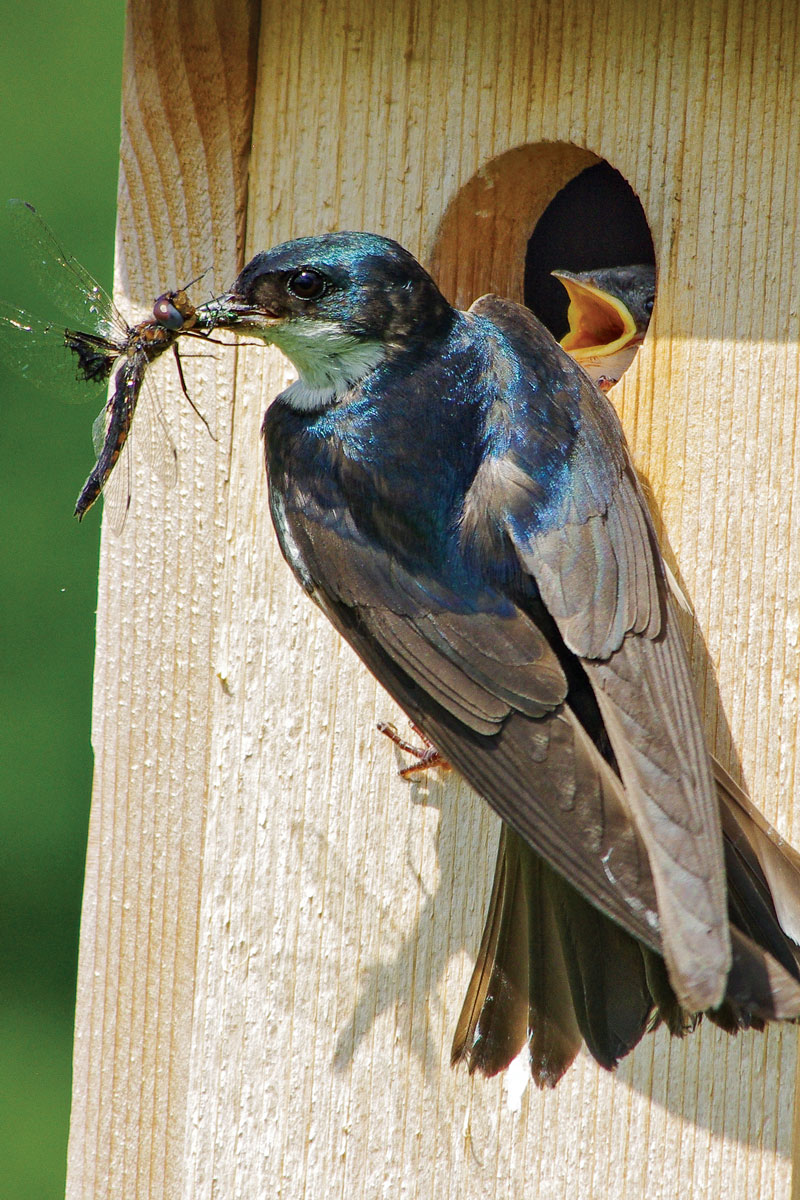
(459, 499)
(609, 311)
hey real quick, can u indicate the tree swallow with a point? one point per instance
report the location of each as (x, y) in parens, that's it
(609, 311)
(459, 499)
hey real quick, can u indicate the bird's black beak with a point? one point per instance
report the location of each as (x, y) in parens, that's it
(232, 311)
(599, 324)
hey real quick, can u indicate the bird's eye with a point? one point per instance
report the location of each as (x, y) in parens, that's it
(307, 284)
(648, 305)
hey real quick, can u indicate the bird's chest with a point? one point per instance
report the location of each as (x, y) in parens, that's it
(397, 485)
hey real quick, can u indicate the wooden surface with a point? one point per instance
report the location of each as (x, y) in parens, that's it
(182, 199)
(277, 931)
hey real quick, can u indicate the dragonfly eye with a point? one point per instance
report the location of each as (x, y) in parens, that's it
(167, 314)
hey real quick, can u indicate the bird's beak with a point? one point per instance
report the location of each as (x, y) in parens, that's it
(231, 311)
(600, 325)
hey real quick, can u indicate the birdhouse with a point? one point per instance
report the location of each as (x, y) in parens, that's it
(277, 929)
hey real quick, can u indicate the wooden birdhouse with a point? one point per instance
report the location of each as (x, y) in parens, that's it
(277, 930)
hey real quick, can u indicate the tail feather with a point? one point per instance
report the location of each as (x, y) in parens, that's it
(553, 971)
(779, 862)
(519, 990)
(493, 1025)
(607, 977)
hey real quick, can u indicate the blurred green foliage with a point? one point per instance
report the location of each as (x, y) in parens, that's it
(60, 80)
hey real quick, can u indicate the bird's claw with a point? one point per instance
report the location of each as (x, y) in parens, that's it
(427, 754)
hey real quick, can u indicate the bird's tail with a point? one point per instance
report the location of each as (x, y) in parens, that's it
(553, 971)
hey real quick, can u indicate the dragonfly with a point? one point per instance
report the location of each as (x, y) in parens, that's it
(102, 353)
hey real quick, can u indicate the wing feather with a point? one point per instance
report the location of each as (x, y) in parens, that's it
(445, 682)
(595, 561)
(544, 776)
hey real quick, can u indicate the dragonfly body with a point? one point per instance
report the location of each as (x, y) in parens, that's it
(173, 314)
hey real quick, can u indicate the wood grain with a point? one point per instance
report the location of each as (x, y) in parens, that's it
(187, 104)
(267, 1000)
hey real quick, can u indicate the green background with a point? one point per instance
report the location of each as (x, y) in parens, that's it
(60, 78)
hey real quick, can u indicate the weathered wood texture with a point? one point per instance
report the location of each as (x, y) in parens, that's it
(186, 135)
(277, 931)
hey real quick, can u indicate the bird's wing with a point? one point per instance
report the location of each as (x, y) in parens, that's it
(488, 690)
(772, 865)
(593, 555)
(543, 775)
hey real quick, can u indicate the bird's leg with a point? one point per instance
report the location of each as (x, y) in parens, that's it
(427, 754)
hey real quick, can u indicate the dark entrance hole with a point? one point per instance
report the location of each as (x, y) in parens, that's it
(595, 220)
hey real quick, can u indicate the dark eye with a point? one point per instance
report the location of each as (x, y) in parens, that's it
(307, 284)
(648, 305)
(167, 314)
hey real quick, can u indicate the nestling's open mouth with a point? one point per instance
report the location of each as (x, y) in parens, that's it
(599, 322)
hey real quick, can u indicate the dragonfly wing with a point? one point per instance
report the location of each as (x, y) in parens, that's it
(59, 274)
(153, 436)
(117, 491)
(99, 427)
(36, 351)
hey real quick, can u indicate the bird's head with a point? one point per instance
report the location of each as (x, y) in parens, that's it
(609, 311)
(337, 306)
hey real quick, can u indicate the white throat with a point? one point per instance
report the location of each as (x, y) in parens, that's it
(328, 361)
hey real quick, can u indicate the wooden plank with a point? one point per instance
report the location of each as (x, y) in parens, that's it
(188, 94)
(413, 104)
(339, 907)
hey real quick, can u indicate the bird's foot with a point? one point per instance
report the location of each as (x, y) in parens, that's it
(427, 754)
